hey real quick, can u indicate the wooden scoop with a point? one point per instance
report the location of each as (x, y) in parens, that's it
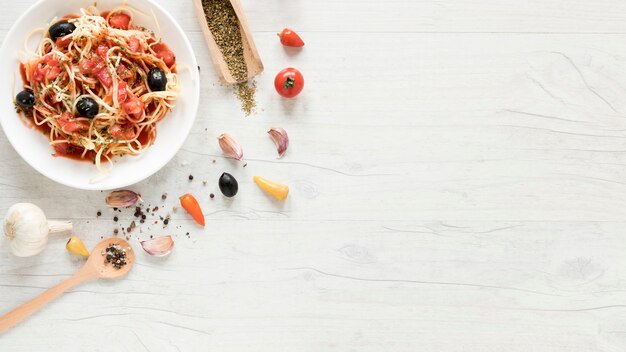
(94, 268)
(250, 53)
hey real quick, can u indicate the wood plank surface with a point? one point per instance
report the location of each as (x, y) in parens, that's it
(457, 173)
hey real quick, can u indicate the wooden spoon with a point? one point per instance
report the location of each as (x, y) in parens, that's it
(94, 268)
(250, 53)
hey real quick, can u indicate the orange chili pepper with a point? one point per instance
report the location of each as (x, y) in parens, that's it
(189, 203)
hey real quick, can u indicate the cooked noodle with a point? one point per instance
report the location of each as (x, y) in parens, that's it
(109, 65)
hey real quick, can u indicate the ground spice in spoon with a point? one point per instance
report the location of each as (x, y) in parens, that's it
(224, 25)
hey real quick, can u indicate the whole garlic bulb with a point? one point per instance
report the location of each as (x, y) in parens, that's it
(27, 229)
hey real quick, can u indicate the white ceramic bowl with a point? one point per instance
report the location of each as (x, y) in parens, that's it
(33, 146)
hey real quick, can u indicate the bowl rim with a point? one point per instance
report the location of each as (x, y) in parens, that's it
(153, 168)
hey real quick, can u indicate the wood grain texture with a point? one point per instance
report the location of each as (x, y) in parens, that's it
(458, 184)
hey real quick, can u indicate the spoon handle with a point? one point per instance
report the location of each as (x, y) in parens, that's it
(27, 309)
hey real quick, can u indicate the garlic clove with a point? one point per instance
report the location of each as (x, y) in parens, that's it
(122, 199)
(280, 138)
(158, 246)
(76, 246)
(230, 147)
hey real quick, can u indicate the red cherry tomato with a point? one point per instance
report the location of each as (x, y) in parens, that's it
(290, 38)
(190, 204)
(289, 82)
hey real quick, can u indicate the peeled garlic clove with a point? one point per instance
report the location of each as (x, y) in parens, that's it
(280, 138)
(76, 246)
(122, 199)
(230, 147)
(159, 246)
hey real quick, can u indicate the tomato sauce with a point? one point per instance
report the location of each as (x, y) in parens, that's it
(144, 138)
(73, 152)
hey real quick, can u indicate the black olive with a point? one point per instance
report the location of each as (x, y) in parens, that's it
(228, 185)
(156, 79)
(61, 29)
(87, 107)
(25, 99)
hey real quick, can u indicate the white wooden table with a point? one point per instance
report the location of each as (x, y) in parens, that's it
(458, 176)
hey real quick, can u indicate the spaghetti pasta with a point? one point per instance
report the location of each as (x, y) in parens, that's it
(100, 85)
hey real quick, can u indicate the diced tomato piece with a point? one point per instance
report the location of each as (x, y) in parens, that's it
(125, 131)
(133, 44)
(167, 57)
(53, 72)
(124, 73)
(76, 126)
(39, 74)
(86, 65)
(100, 65)
(102, 50)
(122, 94)
(64, 41)
(158, 47)
(105, 78)
(133, 106)
(116, 131)
(119, 20)
(69, 125)
(64, 118)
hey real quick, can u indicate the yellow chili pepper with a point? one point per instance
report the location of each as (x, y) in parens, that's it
(271, 188)
(76, 246)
